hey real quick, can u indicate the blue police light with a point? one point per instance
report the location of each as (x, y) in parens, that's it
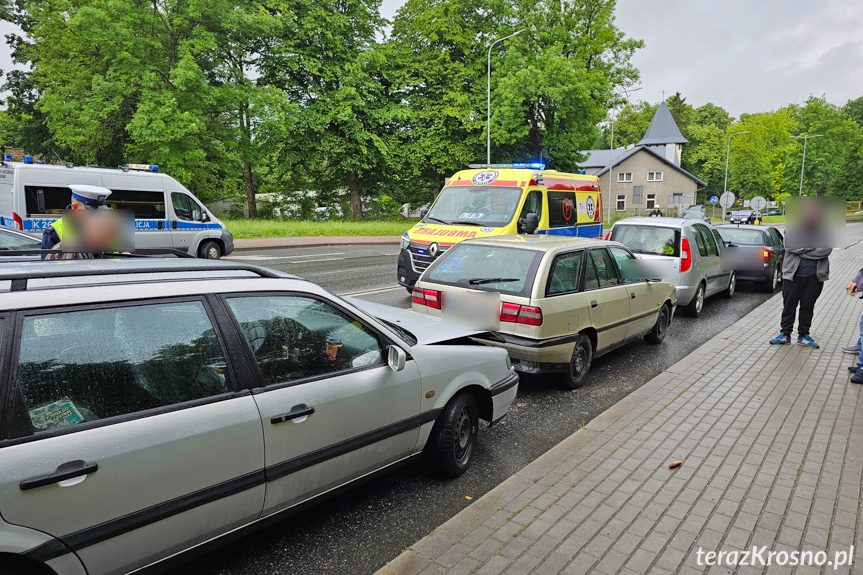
(28, 159)
(582, 172)
(7, 157)
(144, 167)
(532, 165)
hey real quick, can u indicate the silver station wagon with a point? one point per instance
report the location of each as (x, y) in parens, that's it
(152, 406)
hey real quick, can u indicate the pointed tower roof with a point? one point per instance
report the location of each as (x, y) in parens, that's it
(662, 129)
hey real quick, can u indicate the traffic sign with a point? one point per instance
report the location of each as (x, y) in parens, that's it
(726, 200)
(758, 203)
(713, 200)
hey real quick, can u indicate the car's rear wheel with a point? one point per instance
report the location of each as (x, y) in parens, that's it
(732, 286)
(770, 285)
(660, 328)
(210, 250)
(579, 365)
(697, 304)
(454, 436)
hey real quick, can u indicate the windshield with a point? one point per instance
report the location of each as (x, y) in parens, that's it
(10, 241)
(487, 268)
(743, 213)
(648, 239)
(742, 237)
(475, 205)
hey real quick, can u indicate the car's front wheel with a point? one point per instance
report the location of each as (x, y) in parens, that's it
(454, 436)
(579, 365)
(660, 328)
(210, 250)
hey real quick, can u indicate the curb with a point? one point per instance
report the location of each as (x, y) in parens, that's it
(248, 244)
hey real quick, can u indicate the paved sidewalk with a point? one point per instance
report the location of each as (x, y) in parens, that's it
(770, 440)
(312, 242)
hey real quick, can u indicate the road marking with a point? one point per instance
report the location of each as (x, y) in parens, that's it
(371, 291)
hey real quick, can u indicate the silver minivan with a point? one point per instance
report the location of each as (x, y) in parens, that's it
(155, 406)
(682, 252)
(167, 215)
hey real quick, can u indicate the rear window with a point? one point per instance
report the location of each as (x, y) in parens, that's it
(648, 239)
(742, 237)
(488, 268)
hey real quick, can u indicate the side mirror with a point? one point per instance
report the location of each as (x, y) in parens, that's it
(205, 217)
(396, 358)
(531, 222)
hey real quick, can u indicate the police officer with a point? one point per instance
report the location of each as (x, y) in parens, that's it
(84, 197)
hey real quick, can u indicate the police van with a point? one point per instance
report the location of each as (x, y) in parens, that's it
(501, 199)
(167, 215)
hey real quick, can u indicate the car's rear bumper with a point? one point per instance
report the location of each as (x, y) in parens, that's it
(525, 352)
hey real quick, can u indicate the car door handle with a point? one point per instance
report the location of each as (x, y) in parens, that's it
(293, 414)
(174, 225)
(68, 470)
(631, 295)
(593, 303)
(160, 224)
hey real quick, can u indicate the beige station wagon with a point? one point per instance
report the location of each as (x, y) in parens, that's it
(563, 300)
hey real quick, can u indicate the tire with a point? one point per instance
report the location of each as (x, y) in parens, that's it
(660, 328)
(770, 285)
(693, 309)
(210, 250)
(454, 436)
(732, 286)
(579, 365)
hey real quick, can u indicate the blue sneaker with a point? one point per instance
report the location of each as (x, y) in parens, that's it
(854, 368)
(855, 349)
(781, 338)
(807, 341)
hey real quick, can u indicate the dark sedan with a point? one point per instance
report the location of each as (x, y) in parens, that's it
(755, 252)
(744, 217)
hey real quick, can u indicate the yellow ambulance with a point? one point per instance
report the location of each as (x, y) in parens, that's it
(500, 199)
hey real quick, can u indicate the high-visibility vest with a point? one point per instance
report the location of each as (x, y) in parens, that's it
(58, 228)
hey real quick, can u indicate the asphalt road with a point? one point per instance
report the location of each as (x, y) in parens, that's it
(360, 531)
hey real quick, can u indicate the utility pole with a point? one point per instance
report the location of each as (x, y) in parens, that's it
(488, 103)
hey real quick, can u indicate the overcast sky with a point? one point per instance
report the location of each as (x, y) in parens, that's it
(744, 55)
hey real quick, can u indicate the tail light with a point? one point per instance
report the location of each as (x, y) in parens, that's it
(427, 297)
(17, 221)
(685, 255)
(530, 315)
(608, 235)
(509, 312)
(523, 314)
(766, 255)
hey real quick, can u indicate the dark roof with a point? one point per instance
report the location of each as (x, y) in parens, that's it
(662, 129)
(599, 158)
(631, 152)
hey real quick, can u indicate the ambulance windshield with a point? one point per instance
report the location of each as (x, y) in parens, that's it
(487, 206)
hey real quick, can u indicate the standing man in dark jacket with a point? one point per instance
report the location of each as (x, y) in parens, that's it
(804, 272)
(655, 213)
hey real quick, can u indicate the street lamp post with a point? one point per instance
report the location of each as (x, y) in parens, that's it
(727, 154)
(803, 163)
(488, 103)
(611, 150)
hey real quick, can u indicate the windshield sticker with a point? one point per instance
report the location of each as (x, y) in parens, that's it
(484, 178)
(418, 226)
(470, 216)
(487, 230)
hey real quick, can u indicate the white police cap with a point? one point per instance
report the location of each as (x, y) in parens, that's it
(91, 196)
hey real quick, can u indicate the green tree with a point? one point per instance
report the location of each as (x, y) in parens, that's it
(755, 155)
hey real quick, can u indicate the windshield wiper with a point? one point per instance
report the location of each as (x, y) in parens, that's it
(480, 281)
(461, 223)
(444, 222)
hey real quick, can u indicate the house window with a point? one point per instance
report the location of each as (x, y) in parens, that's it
(654, 176)
(637, 195)
(651, 201)
(621, 202)
(624, 176)
(676, 199)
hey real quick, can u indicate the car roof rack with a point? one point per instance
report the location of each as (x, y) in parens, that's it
(19, 277)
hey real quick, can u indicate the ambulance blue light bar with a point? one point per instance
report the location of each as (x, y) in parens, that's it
(7, 157)
(144, 167)
(530, 166)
